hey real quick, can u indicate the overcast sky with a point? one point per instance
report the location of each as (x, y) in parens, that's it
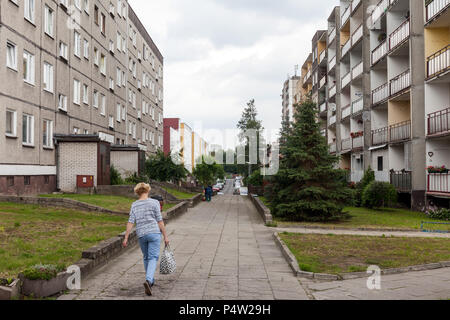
(219, 54)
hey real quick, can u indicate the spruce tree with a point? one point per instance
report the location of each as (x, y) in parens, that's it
(307, 186)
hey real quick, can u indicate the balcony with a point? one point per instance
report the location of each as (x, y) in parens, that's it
(332, 63)
(355, 4)
(332, 91)
(380, 10)
(380, 52)
(322, 56)
(358, 143)
(357, 106)
(439, 183)
(346, 112)
(332, 121)
(345, 15)
(400, 83)
(323, 133)
(380, 94)
(400, 35)
(382, 176)
(357, 70)
(322, 81)
(439, 62)
(346, 47)
(380, 136)
(323, 108)
(400, 132)
(346, 145)
(346, 80)
(331, 35)
(332, 147)
(402, 180)
(357, 35)
(439, 122)
(436, 7)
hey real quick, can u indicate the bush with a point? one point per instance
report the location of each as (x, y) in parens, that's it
(379, 195)
(135, 179)
(43, 272)
(369, 177)
(440, 214)
(116, 179)
(256, 179)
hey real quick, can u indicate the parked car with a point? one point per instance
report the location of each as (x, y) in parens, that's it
(216, 188)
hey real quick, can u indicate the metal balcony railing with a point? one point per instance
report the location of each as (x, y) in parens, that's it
(402, 180)
(400, 82)
(400, 131)
(380, 136)
(438, 62)
(435, 7)
(332, 147)
(322, 56)
(439, 182)
(439, 122)
(357, 35)
(323, 107)
(345, 15)
(380, 94)
(332, 63)
(332, 35)
(355, 4)
(399, 35)
(332, 91)
(380, 52)
(346, 112)
(357, 106)
(358, 143)
(346, 145)
(357, 70)
(346, 80)
(323, 81)
(346, 47)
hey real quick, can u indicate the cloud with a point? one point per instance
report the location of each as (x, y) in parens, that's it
(220, 54)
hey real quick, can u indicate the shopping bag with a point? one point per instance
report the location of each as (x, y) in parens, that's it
(168, 264)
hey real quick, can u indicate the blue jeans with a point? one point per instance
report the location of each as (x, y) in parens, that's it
(150, 246)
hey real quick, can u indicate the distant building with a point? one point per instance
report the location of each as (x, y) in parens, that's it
(288, 96)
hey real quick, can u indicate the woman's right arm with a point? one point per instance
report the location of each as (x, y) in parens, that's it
(162, 227)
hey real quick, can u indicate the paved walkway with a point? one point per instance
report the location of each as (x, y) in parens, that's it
(224, 251)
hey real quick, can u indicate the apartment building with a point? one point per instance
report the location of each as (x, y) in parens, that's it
(288, 96)
(386, 94)
(73, 67)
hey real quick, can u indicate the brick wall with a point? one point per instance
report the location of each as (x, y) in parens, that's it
(76, 159)
(38, 185)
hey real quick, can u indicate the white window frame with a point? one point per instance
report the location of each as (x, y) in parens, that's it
(47, 143)
(49, 25)
(30, 67)
(48, 77)
(86, 49)
(11, 59)
(62, 102)
(77, 43)
(13, 133)
(29, 7)
(76, 91)
(28, 140)
(85, 94)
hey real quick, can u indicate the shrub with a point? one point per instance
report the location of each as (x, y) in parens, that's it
(440, 214)
(135, 179)
(43, 272)
(116, 178)
(369, 177)
(256, 179)
(379, 195)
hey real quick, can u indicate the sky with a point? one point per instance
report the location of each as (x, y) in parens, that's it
(219, 54)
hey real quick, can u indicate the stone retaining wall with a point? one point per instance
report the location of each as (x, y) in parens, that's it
(262, 209)
(128, 191)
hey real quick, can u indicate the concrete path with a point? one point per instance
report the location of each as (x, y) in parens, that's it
(224, 251)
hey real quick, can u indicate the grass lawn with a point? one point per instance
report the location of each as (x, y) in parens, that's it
(114, 203)
(179, 194)
(379, 219)
(31, 235)
(336, 254)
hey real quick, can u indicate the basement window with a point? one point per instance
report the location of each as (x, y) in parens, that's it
(10, 181)
(27, 180)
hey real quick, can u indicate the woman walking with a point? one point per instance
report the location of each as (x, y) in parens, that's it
(146, 215)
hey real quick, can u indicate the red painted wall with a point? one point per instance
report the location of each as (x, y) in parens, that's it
(173, 123)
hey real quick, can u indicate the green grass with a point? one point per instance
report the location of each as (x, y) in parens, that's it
(265, 201)
(336, 254)
(113, 203)
(379, 219)
(32, 235)
(179, 194)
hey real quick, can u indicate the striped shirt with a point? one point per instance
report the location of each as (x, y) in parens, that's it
(146, 214)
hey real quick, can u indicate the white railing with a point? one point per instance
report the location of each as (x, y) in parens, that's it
(399, 35)
(345, 15)
(357, 106)
(332, 63)
(357, 70)
(435, 7)
(379, 10)
(346, 112)
(346, 144)
(380, 94)
(358, 34)
(323, 107)
(358, 142)
(322, 81)
(346, 47)
(380, 52)
(439, 182)
(382, 176)
(332, 91)
(438, 62)
(346, 80)
(355, 4)
(331, 35)
(332, 120)
(400, 82)
(322, 56)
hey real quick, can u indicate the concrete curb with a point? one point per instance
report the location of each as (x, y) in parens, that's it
(349, 229)
(292, 261)
(262, 209)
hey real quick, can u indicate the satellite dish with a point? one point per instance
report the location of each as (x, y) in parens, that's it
(366, 116)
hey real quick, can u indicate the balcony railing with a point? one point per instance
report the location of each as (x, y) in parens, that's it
(332, 147)
(439, 122)
(358, 142)
(400, 131)
(323, 107)
(332, 63)
(346, 144)
(332, 120)
(399, 35)
(380, 9)
(332, 35)
(439, 182)
(358, 34)
(400, 82)
(402, 180)
(380, 136)
(380, 94)
(322, 56)
(380, 52)
(382, 176)
(332, 91)
(357, 70)
(435, 7)
(346, 112)
(355, 4)
(345, 15)
(346, 47)
(357, 106)
(346, 79)
(439, 62)
(323, 81)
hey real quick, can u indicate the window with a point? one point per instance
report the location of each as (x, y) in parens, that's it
(48, 21)
(111, 122)
(28, 67)
(103, 23)
(76, 130)
(96, 56)
(29, 10)
(103, 64)
(77, 4)
(86, 49)
(76, 91)
(62, 102)
(48, 77)
(103, 105)
(85, 94)
(124, 113)
(27, 129)
(27, 180)
(119, 7)
(119, 41)
(11, 123)
(124, 44)
(63, 50)
(11, 55)
(47, 133)
(134, 131)
(119, 77)
(46, 180)
(380, 164)
(111, 45)
(124, 78)
(77, 44)
(118, 110)
(95, 102)
(96, 15)
(10, 181)
(86, 6)
(111, 83)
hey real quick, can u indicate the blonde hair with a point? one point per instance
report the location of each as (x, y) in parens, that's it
(142, 188)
